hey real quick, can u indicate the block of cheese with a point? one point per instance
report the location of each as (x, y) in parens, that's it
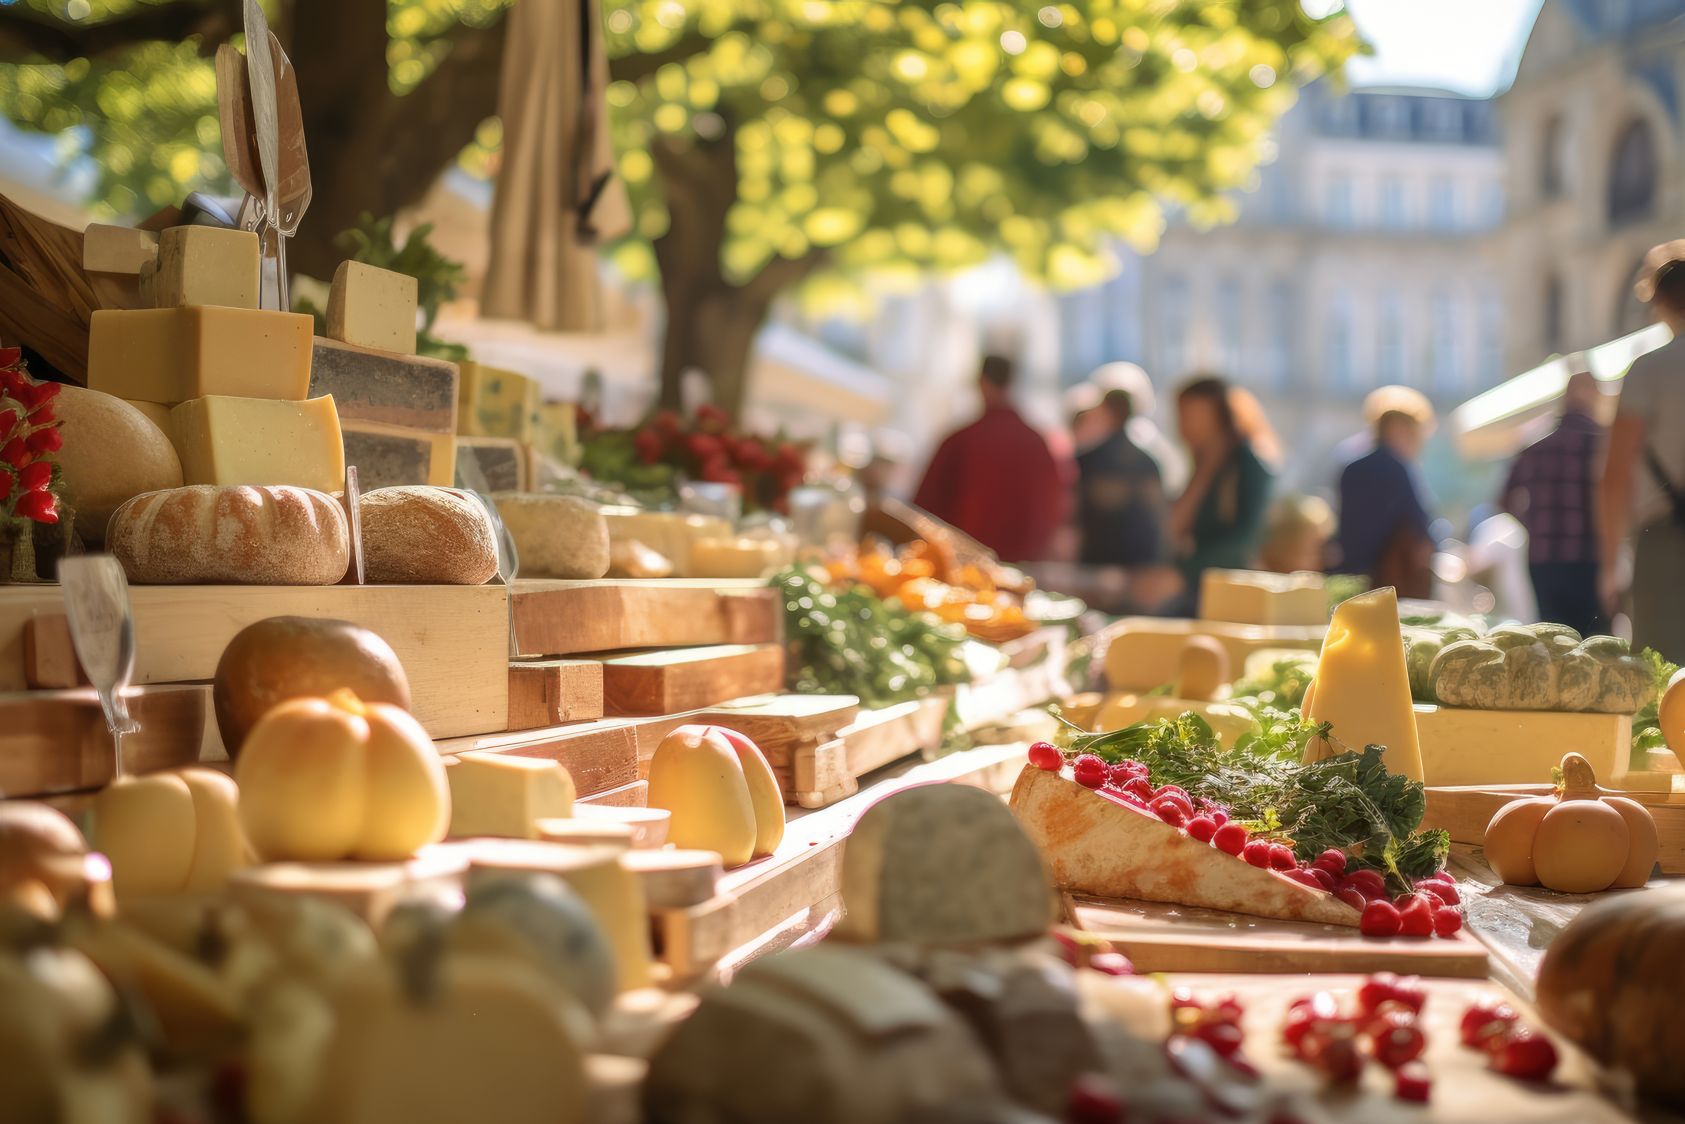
(227, 440)
(388, 456)
(374, 386)
(739, 557)
(1145, 652)
(1362, 685)
(499, 794)
(492, 464)
(1480, 747)
(557, 435)
(942, 864)
(206, 265)
(117, 249)
(556, 536)
(1256, 597)
(157, 412)
(671, 534)
(372, 307)
(496, 403)
(172, 354)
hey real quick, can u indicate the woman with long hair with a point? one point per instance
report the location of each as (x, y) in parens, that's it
(1219, 518)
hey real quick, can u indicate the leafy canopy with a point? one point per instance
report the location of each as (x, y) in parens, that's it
(930, 134)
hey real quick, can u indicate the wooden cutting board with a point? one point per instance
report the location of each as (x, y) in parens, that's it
(1173, 938)
(1465, 1091)
(1465, 811)
(452, 640)
(564, 618)
(683, 679)
(56, 741)
(550, 692)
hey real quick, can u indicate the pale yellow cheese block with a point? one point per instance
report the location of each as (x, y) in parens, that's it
(1362, 682)
(1259, 597)
(1465, 747)
(117, 249)
(1145, 652)
(372, 307)
(496, 403)
(172, 354)
(503, 795)
(739, 557)
(671, 534)
(209, 265)
(261, 441)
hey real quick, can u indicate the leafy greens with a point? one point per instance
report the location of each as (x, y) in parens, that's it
(1646, 725)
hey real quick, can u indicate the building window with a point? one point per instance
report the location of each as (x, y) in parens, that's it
(1442, 203)
(1553, 172)
(1340, 119)
(1393, 215)
(1390, 117)
(1492, 202)
(1231, 319)
(1281, 317)
(1447, 363)
(1389, 339)
(1443, 120)
(1632, 174)
(1340, 209)
(1340, 373)
(1553, 316)
(1490, 363)
(1173, 326)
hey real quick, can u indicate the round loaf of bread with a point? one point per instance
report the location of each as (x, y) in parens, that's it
(555, 536)
(112, 453)
(238, 535)
(417, 535)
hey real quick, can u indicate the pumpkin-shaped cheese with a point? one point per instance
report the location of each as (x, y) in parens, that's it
(335, 778)
(721, 792)
(174, 832)
(1580, 842)
(1670, 712)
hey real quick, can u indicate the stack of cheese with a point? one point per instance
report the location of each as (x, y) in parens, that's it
(228, 381)
(397, 409)
(496, 422)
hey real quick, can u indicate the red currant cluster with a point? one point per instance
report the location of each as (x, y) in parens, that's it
(28, 433)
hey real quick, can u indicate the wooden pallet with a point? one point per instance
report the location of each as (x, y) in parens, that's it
(452, 640)
(565, 618)
(56, 741)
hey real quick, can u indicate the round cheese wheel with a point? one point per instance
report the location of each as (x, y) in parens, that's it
(112, 453)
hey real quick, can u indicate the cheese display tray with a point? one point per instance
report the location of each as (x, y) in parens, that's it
(1158, 937)
(564, 618)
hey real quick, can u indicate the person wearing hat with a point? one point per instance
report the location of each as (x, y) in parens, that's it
(1642, 495)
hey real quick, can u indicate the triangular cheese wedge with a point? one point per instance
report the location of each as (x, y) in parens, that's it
(1100, 846)
(1363, 684)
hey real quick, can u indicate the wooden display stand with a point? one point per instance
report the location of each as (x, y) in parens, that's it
(565, 618)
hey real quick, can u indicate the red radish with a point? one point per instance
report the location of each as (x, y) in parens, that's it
(1323, 878)
(1412, 1083)
(1221, 815)
(1142, 787)
(1379, 919)
(1416, 919)
(1168, 810)
(1046, 756)
(1446, 922)
(1444, 892)
(1202, 828)
(1483, 1021)
(1173, 789)
(1525, 1055)
(1224, 1038)
(1333, 860)
(1089, 771)
(1302, 877)
(1396, 1039)
(1230, 837)
(1351, 897)
(1281, 857)
(1257, 852)
(1369, 883)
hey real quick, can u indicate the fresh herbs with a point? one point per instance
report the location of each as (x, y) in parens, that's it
(1282, 685)
(1646, 727)
(1348, 801)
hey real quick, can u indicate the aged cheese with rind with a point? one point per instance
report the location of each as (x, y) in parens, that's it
(492, 464)
(496, 403)
(939, 864)
(501, 794)
(261, 441)
(1362, 681)
(1258, 597)
(206, 265)
(372, 307)
(412, 391)
(112, 453)
(170, 355)
(388, 456)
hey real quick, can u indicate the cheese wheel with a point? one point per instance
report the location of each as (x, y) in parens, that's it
(112, 453)
(426, 536)
(241, 535)
(556, 536)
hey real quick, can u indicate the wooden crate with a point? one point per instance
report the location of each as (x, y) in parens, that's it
(550, 692)
(56, 741)
(565, 618)
(452, 640)
(675, 681)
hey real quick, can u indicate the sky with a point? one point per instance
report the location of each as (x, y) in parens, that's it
(1469, 46)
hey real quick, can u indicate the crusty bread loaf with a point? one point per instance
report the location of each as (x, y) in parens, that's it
(556, 536)
(240, 535)
(416, 535)
(112, 453)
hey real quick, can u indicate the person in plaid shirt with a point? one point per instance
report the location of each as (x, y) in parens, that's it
(1551, 489)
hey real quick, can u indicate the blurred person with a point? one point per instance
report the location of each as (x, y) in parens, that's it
(1642, 495)
(1143, 429)
(1379, 401)
(1384, 525)
(1120, 494)
(997, 479)
(1296, 535)
(1217, 520)
(1551, 489)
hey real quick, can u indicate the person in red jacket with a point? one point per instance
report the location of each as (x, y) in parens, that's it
(997, 479)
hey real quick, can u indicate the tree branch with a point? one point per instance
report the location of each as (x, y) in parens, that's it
(780, 273)
(27, 31)
(638, 66)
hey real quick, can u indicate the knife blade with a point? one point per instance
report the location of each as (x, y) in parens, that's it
(260, 71)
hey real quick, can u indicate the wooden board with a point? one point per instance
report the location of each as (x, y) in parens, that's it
(682, 679)
(1465, 811)
(56, 741)
(890, 733)
(564, 618)
(799, 886)
(598, 755)
(451, 640)
(1465, 1090)
(634, 795)
(551, 692)
(1171, 938)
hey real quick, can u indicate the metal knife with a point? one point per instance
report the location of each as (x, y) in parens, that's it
(260, 69)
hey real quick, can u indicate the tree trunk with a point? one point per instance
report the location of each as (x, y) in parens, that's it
(711, 330)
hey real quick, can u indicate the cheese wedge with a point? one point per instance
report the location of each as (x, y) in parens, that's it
(1104, 847)
(1363, 684)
